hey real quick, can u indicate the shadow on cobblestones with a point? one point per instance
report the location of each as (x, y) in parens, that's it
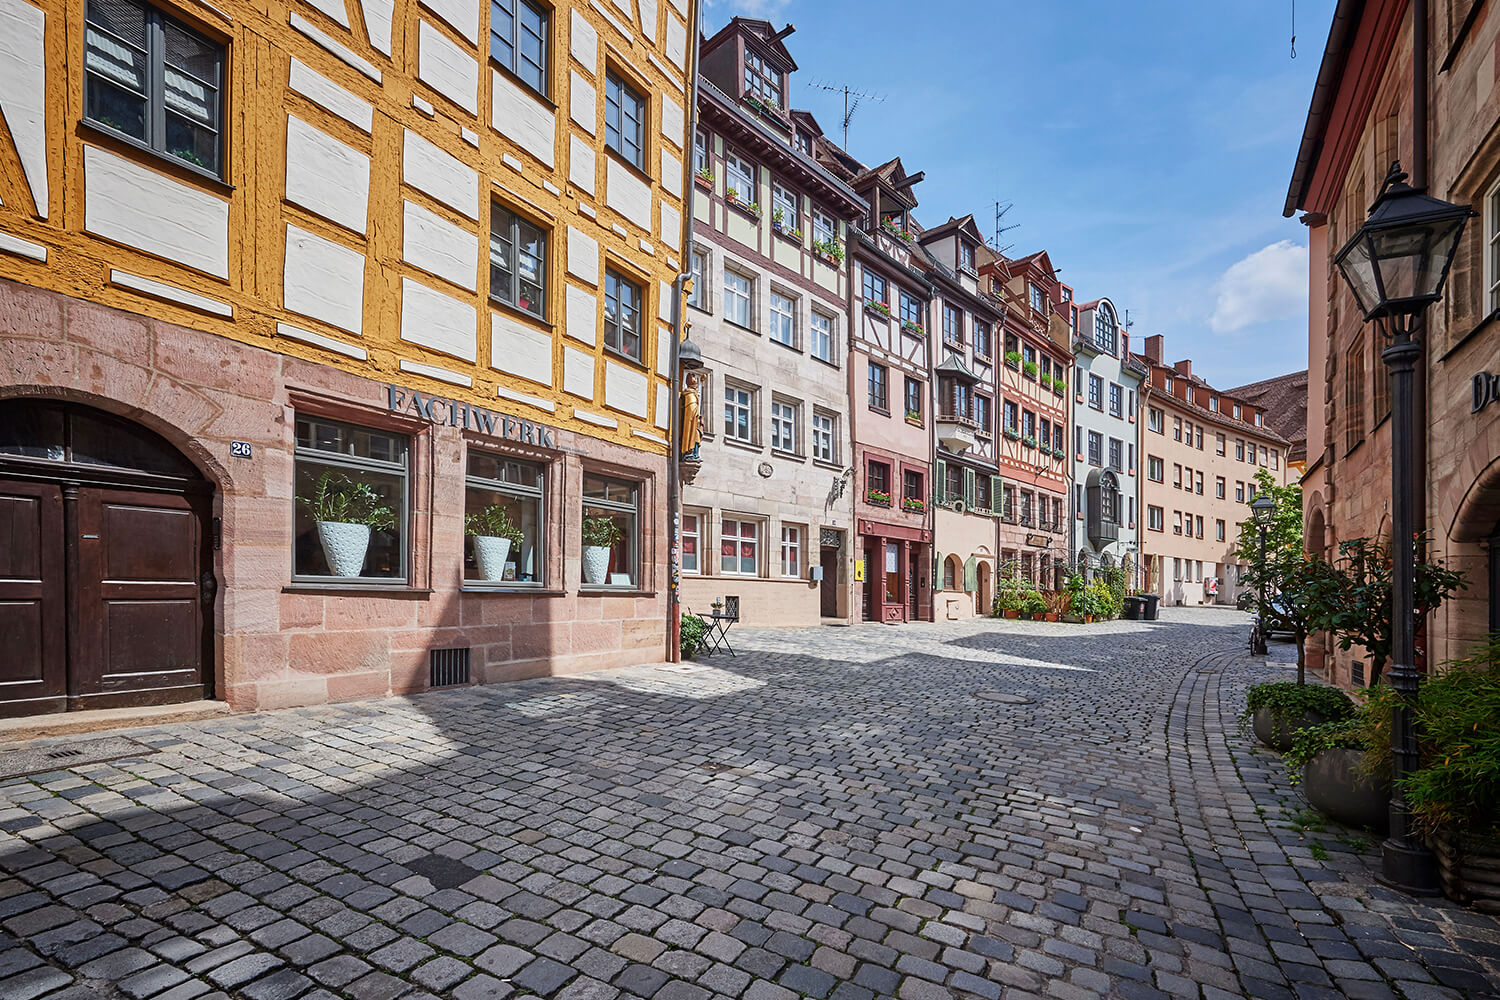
(832, 813)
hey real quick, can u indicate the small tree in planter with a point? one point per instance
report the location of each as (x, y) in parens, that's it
(346, 512)
(495, 535)
(1033, 604)
(690, 635)
(600, 534)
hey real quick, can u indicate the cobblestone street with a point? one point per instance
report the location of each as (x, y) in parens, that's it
(844, 812)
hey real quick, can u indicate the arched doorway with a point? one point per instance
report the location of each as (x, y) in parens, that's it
(983, 596)
(106, 583)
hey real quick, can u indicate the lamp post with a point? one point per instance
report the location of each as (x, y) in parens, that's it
(1396, 265)
(1262, 509)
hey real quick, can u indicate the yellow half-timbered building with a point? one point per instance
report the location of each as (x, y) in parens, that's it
(334, 343)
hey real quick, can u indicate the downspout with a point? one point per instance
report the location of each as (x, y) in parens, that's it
(674, 417)
(1419, 116)
(855, 589)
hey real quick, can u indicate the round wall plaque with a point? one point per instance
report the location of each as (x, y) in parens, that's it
(765, 469)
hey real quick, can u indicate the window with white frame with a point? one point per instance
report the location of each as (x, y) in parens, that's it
(784, 208)
(518, 262)
(1218, 529)
(518, 40)
(699, 298)
(739, 547)
(739, 413)
(824, 228)
(1154, 518)
(622, 315)
(737, 292)
(965, 257)
(1155, 468)
(824, 429)
(1154, 419)
(875, 288)
(791, 550)
(616, 501)
(701, 162)
(624, 121)
(911, 309)
(692, 543)
(820, 336)
(739, 176)
(761, 78)
(982, 345)
(783, 319)
(1219, 487)
(784, 426)
(953, 325)
(1038, 299)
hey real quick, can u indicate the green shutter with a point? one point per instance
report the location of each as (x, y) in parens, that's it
(971, 574)
(940, 483)
(969, 490)
(997, 495)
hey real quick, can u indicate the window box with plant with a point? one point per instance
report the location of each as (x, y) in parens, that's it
(1029, 369)
(1046, 380)
(878, 307)
(1059, 387)
(914, 505)
(915, 329)
(891, 227)
(879, 498)
(1013, 358)
(1028, 442)
(705, 177)
(831, 250)
(778, 223)
(1011, 434)
(600, 534)
(346, 512)
(732, 195)
(494, 535)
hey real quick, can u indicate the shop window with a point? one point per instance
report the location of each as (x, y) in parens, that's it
(611, 519)
(518, 40)
(153, 80)
(351, 507)
(692, 539)
(518, 262)
(739, 547)
(504, 504)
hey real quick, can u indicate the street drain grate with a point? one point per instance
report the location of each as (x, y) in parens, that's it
(20, 761)
(1003, 697)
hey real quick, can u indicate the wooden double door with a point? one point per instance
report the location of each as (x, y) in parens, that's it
(105, 597)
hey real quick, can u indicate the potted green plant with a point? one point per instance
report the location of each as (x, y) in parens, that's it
(600, 534)
(705, 177)
(690, 635)
(494, 534)
(345, 513)
(1340, 776)
(1013, 358)
(830, 249)
(1029, 369)
(1034, 605)
(1277, 709)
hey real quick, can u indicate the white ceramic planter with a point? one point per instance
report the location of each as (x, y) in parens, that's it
(595, 563)
(490, 553)
(344, 546)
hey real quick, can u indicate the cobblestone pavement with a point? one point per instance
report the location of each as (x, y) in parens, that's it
(832, 813)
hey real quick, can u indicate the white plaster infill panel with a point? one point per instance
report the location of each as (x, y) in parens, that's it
(343, 52)
(324, 280)
(649, 19)
(438, 246)
(626, 193)
(318, 340)
(446, 68)
(527, 398)
(23, 91)
(461, 15)
(578, 373)
(663, 349)
(378, 17)
(438, 321)
(333, 8)
(520, 350)
(23, 248)
(325, 176)
(141, 208)
(583, 256)
(162, 290)
(673, 125)
(448, 179)
(581, 164)
(518, 115)
(330, 96)
(677, 43)
(663, 402)
(433, 371)
(598, 420)
(583, 103)
(582, 320)
(583, 42)
(625, 389)
(671, 227)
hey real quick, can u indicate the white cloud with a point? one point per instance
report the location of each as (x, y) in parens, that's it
(1268, 285)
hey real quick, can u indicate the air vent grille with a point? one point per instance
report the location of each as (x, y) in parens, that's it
(448, 667)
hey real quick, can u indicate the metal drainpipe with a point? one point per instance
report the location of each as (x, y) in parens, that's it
(674, 413)
(855, 589)
(1419, 181)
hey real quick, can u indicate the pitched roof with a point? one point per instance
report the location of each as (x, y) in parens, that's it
(1284, 401)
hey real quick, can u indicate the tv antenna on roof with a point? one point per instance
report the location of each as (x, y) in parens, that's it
(1000, 211)
(1128, 321)
(849, 109)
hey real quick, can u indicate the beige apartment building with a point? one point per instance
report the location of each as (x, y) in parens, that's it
(1202, 450)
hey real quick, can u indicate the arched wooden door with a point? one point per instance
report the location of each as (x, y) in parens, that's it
(106, 583)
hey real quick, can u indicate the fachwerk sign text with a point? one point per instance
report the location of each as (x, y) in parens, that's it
(440, 410)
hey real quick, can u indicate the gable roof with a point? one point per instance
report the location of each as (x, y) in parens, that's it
(762, 31)
(1283, 399)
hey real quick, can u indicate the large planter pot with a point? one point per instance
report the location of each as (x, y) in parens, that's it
(490, 554)
(1469, 869)
(1277, 732)
(1336, 787)
(595, 563)
(1012, 614)
(344, 546)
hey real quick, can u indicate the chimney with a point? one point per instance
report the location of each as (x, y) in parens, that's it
(1151, 347)
(1184, 368)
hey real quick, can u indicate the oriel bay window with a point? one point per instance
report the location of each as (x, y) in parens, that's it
(622, 315)
(611, 540)
(351, 503)
(152, 79)
(503, 521)
(518, 262)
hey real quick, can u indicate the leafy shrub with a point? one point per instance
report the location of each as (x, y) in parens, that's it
(1289, 700)
(1457, 788)
(1359, 731)
(1103, 599)
(692, 632)
(1033, 603)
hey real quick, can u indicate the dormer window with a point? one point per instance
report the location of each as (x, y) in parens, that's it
(804, 143)
(1038, 299)
(762, 79)
(1106, 332)
(965, 257)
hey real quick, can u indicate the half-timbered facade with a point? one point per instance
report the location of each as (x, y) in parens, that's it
(768, 520)
(352, 276)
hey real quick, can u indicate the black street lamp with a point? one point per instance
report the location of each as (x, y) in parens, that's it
(1262, 509)
(1396, 265)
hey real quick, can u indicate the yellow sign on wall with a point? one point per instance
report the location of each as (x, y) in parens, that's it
(859, 570)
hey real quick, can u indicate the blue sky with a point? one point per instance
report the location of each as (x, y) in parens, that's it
(1146, 147)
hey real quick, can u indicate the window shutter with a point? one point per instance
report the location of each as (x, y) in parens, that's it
(997, 495)
(940, 483)
(971, 574)
(969, 489)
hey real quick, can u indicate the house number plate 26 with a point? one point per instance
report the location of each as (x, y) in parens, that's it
(239, 449)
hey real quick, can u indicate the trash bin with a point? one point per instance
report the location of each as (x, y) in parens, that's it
(1134, 608)
(1151, 606)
